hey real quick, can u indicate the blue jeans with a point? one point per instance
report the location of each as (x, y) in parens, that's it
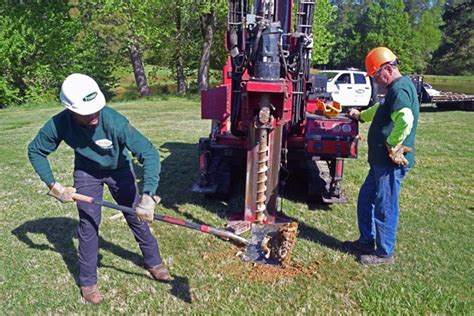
(123, 188)
(377, 207)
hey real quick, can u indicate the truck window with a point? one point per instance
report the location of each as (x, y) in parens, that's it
(360, 79)
(344, 79)
(330, 75)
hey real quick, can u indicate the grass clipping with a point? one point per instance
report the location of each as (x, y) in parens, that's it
(278, 245)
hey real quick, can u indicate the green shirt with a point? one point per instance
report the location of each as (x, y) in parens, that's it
(401, 94)
(103, 147)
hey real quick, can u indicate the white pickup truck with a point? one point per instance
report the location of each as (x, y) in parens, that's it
(351, 88)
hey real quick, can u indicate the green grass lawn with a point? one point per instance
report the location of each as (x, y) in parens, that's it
(434, 254)
(160, 81)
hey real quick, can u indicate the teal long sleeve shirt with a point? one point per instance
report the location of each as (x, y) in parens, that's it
(103, 147)
(393, 122)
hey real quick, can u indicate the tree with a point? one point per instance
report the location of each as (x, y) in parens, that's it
(209, 12)
(427, 38)
(455, 56)
(386, 24)
(347, 49)
(40, 44)
(323, 39)
(425, 18)
(180, 77)
(141, 30)
(208, 28)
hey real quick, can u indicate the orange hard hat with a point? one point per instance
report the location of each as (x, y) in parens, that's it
(376, 58)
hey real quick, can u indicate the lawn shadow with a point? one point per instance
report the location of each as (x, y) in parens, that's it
(180, 288)
(328, 241)
(60, 233)
(313, 234)
(179, 171)
(296, 190)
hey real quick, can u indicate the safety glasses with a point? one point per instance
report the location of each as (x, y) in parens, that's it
(378, 72)
(382, 68)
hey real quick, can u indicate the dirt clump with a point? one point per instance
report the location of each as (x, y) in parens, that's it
(279, 245)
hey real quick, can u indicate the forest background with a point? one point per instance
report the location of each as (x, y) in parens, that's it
(41, 42)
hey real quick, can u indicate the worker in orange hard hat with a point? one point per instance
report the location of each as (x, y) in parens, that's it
(391, 141)
(377, 57)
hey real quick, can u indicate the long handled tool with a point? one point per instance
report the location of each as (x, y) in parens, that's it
(166, 219)
(270, 244)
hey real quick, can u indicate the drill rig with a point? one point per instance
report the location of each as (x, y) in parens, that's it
(270, 115)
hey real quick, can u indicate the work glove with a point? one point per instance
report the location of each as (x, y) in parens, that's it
(146, 208)
(354, 114)
(63, 194)
(397, 154)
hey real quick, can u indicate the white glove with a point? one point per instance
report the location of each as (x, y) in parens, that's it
(146, 208)
(354, 114)
(63, 194)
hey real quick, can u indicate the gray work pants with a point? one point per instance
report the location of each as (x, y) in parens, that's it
(123, 188)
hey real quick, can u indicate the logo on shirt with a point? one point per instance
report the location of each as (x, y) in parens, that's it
(104, 143)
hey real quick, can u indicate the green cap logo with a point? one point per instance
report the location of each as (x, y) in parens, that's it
(90, 97)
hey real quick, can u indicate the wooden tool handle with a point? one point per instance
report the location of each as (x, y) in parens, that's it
(82, 198)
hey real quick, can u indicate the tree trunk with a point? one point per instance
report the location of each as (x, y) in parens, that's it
(208, 27)
(139, 71)
(180, 78)
(20, 84)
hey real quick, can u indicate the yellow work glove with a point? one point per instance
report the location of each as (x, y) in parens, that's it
(354, 114)
(63, 194)
(397, 154)
(146, 208)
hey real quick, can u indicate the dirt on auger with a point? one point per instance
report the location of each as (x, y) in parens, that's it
(271, 243)
(278, 245)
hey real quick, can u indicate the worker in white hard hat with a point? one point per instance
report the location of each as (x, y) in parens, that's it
(391, 141)
(101, 139)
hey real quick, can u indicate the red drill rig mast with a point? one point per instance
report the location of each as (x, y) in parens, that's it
(269, 113)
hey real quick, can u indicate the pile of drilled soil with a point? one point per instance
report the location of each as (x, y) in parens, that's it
(229, 264)
(265, 272)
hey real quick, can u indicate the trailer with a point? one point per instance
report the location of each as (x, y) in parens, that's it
(442, 99)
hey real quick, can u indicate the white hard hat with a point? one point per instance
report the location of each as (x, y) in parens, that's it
(81, 94)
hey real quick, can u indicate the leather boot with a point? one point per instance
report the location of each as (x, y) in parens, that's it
(160, 273)
(91, 294)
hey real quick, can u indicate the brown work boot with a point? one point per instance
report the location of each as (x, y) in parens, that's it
(160, 273)
(91, 294)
